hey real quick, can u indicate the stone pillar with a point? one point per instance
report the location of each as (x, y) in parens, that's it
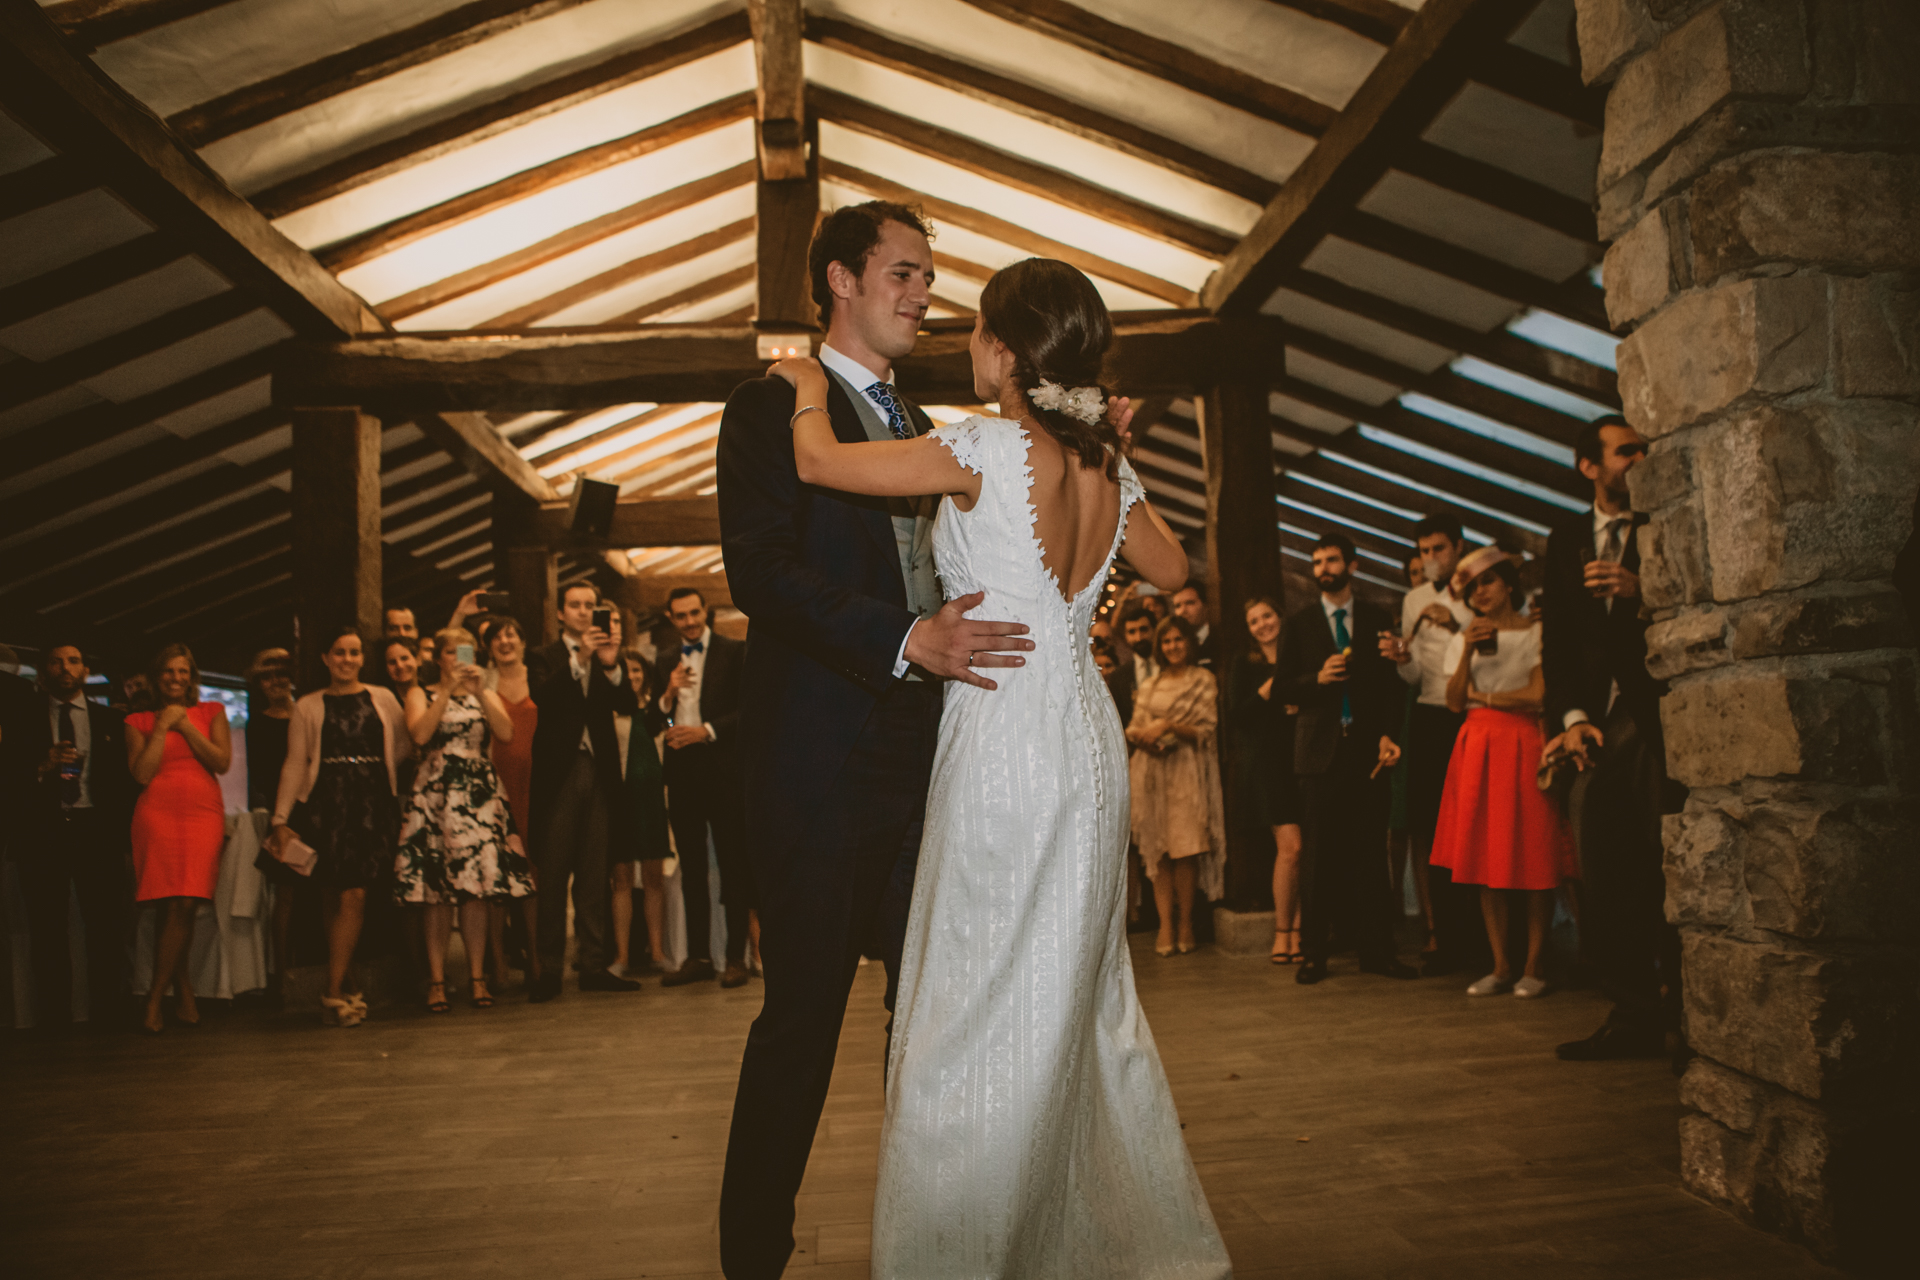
(1243, 560)
(336, 534)
(1759, 183)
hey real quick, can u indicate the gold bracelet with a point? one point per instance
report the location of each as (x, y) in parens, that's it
(811, 408)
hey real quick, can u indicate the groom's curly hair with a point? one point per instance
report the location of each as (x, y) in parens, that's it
(1056, 324)
(849, 235)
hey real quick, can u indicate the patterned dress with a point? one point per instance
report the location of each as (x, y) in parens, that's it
(350, 815)
(457, 840)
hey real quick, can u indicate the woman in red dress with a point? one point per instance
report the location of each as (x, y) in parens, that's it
(180, 822)
(1496, 829)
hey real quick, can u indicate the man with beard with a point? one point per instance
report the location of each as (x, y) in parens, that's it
(1331, 668)
(1135, 653)
(1594, 651)
(1430, 616)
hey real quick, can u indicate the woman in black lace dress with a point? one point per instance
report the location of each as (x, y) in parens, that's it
(337, 794)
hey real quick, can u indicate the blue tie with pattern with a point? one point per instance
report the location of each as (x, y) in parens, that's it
(1342, 641)
(881, 393)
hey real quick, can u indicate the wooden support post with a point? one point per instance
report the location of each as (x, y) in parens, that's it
(778, 28)
(1243, 560)
(785, 215)
(336, 534)
(526, 568)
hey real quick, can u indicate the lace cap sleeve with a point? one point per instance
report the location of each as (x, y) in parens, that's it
(966, 441)
(1131, 490)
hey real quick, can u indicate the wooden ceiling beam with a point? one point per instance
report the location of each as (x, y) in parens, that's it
(986, 224)
(1444, 478)
(1038, 104)
(472, 441)
(95, 424)
(1492, 185)
(133, 467)
(643, 522)
(561, 456)
(43, 183)
(687, 297)
(701, 437)
(1335, 472)
(92, 23)
(1432, 432)
(1489, 275)
(780, 88)
(70, 104)
(1541, 82)
(627, 272)
(569, 241)
(50, 290)
(400, 375)
(1014, 171)
(27, 381)
(1556, 368)
(1349, 511)
(391, 235)
(1380, 21)
(281, 95)
(490, 119)
(1165, 60)
(1418, 75)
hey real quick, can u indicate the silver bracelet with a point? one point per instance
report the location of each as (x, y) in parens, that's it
(811, 408)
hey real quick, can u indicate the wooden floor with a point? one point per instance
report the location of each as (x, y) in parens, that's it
(1363, 1128)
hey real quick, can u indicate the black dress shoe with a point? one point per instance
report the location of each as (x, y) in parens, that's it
(543, 988)
(691, 971)
(1390, 969)
(605, 980)
(1613, 1044)
(1310, 972)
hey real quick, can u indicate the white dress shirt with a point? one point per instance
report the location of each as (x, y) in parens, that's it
(863, 380)
(684, 706)
(82, 741)
(580, 663)
(1429, 667)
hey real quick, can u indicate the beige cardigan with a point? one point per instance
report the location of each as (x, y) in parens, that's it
(303, 747)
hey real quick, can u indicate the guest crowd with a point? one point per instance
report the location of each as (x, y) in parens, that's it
(457, 778)
(1506, 752)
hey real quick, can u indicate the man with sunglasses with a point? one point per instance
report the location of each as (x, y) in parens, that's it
(1600, 694)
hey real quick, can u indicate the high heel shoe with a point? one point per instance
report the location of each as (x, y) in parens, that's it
(1188, 948)
(440, 1005)
(478, 995)
(1278, 956)
(1163, 949)
(340, 1013)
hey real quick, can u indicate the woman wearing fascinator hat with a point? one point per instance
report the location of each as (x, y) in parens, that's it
(1496, 828)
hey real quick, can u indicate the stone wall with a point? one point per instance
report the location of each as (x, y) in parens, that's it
(1760, 186)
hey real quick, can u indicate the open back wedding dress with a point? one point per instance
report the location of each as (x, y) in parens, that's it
(1029, 1129)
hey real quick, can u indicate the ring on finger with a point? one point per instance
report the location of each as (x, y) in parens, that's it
(970, 653)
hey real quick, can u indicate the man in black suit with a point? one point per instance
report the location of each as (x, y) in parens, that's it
(704, 792)
(579, 804)
(1594, 651)
(840, 705)
(1347, 691)
(72, 798)
(1190, 602)
(1137, 663)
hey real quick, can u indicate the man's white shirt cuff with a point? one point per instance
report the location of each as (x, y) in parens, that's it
(900, 659)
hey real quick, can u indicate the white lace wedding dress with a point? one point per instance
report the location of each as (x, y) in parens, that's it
(1029, 1129)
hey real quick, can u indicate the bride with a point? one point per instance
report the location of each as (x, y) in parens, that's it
(1029, 1129)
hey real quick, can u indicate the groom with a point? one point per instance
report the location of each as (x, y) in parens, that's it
(840, 704)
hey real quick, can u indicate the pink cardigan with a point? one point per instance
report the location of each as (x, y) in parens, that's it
(303, 747)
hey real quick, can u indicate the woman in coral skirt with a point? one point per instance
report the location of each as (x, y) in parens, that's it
(1496, 829)
(180, 822)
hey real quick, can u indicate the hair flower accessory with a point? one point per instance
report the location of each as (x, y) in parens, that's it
(1083, 403)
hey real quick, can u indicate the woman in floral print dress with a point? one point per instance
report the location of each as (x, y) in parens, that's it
(458, 847)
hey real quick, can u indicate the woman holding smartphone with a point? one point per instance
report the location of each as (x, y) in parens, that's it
(458, 847)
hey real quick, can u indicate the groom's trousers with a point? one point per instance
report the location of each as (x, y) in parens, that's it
(840, 890)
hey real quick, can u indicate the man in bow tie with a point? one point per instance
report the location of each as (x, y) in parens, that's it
(702, 771)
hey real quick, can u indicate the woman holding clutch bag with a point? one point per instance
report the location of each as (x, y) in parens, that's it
(337, 796)
(1175, 776)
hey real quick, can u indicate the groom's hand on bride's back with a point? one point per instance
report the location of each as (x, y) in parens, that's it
(947, 642)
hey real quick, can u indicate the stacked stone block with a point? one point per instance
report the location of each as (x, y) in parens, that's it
(1760, 184)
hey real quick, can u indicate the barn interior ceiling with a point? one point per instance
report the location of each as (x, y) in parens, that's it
(1409, 191)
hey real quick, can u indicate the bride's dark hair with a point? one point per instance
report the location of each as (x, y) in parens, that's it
(1056, 325)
